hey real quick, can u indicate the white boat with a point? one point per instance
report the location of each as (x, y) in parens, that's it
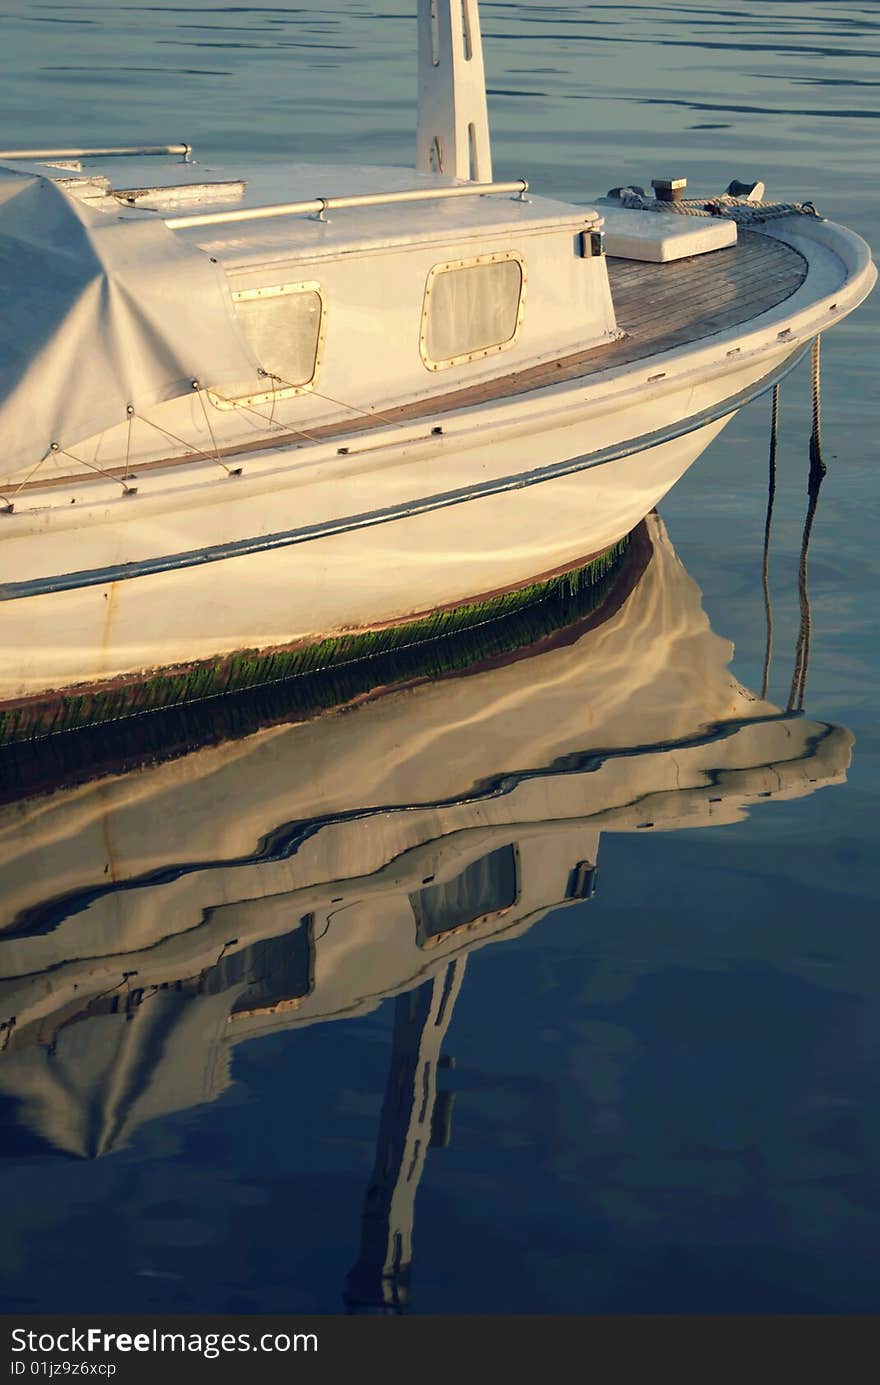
(254, 422)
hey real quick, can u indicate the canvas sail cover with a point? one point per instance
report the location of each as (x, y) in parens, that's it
(101, 309)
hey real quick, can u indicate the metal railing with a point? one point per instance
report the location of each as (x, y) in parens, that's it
(184, 150)
(319, 206)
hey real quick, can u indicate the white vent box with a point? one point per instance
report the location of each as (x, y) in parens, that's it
(631, 234)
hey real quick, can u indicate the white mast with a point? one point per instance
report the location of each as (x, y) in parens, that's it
(408, 1126)
(453, 129)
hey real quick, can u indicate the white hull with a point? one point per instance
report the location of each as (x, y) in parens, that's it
(375, 572)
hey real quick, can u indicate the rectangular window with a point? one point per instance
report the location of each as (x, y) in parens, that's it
(472, 309)
(279, 972)
(284, 326)
(484, 889)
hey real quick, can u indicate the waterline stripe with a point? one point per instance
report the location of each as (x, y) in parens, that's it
(264, 543)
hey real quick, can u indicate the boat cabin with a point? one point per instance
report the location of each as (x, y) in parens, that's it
(408, 286)
(368, 302)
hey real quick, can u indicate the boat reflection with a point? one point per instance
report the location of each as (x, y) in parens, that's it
(303, 872)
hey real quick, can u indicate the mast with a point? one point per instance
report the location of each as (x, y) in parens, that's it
(453, 126)
(414, 1117)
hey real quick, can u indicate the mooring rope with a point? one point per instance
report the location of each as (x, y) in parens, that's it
(768, 523)
(816, 382)
(817, 474)
(738, 209)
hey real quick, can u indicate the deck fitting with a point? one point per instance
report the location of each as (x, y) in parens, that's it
(669, 189)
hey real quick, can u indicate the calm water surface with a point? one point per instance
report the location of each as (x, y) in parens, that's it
(647, 1089)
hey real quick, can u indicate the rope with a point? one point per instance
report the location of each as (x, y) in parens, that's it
(130, 411)
(55, 450)
(283, 428)
(768, 522)
(81, 461)
(102, 471)
(217, 458)
(737, 209)
(372, 412)
(816, 381)
(271, 418)
(249, 409)
(33, 471)
(190, 447)
(818, 472)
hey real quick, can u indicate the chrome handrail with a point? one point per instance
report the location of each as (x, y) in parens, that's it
(109, 153)
(319, 206)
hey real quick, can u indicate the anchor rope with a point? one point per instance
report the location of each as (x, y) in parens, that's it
(768, 523)
(816, 382)
(818, 471)
(738, 209)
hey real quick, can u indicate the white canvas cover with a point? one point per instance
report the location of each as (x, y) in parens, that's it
(100, 309)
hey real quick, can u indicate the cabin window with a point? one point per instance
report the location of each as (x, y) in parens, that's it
(278, 972)
(472, 309)
(483, 890)
(284, 326)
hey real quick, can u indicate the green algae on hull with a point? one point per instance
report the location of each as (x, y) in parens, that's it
(339, 667)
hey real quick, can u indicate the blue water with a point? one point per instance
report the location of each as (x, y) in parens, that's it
(665, 1097)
